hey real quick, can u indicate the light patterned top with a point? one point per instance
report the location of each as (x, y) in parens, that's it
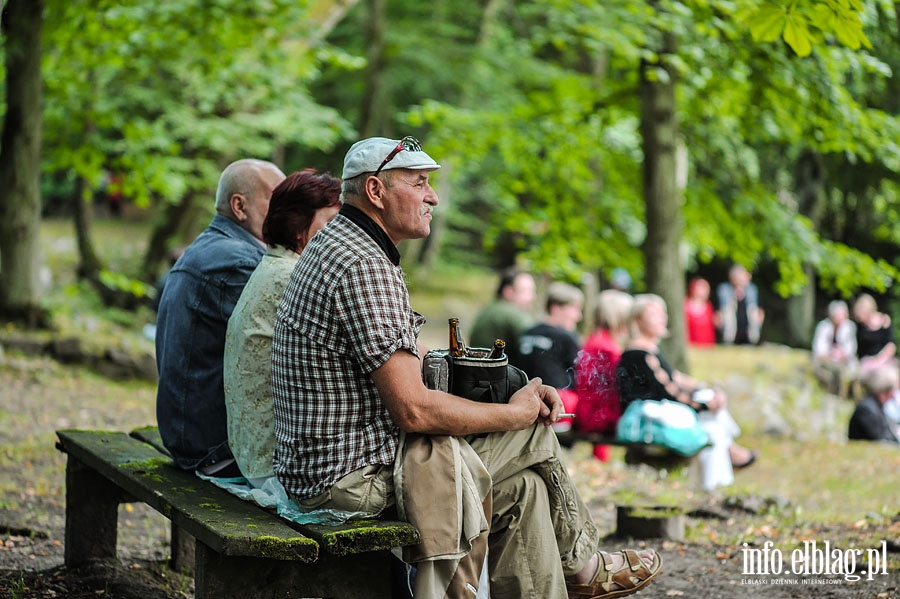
(248, 364)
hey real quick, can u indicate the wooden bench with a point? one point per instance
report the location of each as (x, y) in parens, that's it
(240, 549)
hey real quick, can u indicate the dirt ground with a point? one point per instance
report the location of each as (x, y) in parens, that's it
(39, 396)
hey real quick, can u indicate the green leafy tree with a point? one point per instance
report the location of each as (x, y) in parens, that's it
(555, 144)
(166, 93)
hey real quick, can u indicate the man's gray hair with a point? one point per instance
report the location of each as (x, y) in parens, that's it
(882, 380)
(838, 306)
(354, 189)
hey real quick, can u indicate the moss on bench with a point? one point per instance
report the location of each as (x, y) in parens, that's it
(358, 536)
(224, 522)
(345, 539)
(236, 544)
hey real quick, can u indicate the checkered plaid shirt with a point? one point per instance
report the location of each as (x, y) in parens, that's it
(344, 312)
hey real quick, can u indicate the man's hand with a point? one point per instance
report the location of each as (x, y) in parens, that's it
(537, 402)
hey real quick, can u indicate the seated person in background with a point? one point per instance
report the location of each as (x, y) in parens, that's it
(347, 380)
(199, 295)
(869, 421)
(598, 407)
(834, 349)
(739, 316)
(699, 315)
(875, 345)
(300, 206)
(548, 350)
(644, 374)
(508, 315)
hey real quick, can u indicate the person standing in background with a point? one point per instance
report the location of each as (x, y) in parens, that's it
(740, 317)
(699, 315)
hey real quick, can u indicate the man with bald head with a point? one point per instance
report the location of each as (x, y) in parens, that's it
(200, 293)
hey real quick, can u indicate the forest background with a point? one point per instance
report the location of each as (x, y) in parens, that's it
(667, 138)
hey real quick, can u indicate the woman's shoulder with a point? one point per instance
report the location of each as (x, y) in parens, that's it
(634, 354)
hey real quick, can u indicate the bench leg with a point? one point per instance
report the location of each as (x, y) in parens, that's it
(361, 576)
(182, 551)
(92, 514)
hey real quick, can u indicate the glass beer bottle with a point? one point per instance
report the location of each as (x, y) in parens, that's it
(457, 345)
(498, 350)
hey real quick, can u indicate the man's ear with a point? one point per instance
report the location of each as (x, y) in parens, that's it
(238, 204)
(375, 190)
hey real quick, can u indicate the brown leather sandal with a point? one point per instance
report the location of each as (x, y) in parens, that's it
(631, 577)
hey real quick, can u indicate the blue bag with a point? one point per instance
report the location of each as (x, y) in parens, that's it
(670, 424)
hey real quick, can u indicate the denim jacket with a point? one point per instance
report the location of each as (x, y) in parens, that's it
(200, 293)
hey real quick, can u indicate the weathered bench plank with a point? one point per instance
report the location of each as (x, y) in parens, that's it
(151, 436)
(201, 509)
(241, 550)
(354, 537)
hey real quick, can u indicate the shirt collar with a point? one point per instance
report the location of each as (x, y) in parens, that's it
(365, 222)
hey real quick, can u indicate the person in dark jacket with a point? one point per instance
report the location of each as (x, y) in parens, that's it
(869, 421)
(199, 295)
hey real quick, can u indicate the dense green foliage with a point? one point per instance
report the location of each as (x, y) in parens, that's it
(532, 108)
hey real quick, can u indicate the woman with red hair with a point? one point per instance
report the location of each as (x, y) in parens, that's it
(301, 205)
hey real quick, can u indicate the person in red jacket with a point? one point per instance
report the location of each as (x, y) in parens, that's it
(598, 408)
(699, 315)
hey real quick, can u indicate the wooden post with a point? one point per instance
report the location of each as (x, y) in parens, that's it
(92, 515)
(183, 552)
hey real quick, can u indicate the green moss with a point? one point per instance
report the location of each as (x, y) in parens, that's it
(283, 549)
(212, 506)
(147, 464)
(364, 537)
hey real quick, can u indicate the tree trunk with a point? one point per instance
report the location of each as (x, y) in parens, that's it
(20, 164)
(810, 184)
(172, 221)
(662, 198)
(374, 119)
(89, 265)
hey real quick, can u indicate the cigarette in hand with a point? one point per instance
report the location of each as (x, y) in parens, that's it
(567, 415)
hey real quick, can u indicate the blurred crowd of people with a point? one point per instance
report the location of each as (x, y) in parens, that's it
(854, 356)
(619, 360)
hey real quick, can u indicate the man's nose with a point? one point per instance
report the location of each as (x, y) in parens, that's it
(432, 197)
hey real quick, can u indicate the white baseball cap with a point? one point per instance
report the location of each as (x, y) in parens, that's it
(380, 153)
